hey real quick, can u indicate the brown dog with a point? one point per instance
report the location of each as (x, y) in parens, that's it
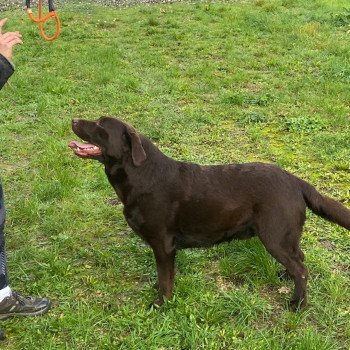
(174, 205)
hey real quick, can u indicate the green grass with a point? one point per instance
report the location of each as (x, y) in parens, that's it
(263, 80)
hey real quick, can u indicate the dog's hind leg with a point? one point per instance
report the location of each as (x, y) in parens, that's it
(284, 247)
(284, 275)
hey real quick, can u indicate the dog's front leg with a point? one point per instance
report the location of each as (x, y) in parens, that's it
(165, 260)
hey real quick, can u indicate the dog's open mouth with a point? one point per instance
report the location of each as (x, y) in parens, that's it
(85, 149)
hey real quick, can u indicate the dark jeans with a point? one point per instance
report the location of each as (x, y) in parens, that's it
(3, 269)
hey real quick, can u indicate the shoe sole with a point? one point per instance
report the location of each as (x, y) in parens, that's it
(15, 314)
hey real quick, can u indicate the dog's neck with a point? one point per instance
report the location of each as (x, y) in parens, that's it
(124, 176)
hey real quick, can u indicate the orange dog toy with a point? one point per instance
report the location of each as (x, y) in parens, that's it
(41, 19)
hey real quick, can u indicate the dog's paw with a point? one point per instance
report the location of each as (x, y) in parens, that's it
(156, 304)
(297, 304)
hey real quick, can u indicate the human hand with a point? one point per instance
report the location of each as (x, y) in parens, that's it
(8, 41)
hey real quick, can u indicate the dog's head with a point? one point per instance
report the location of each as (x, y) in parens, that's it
(107, 139)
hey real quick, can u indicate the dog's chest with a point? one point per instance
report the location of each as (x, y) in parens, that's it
(134, 217)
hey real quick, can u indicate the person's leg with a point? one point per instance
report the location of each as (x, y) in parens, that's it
(12, 303)
(3, 269)
(4, 287)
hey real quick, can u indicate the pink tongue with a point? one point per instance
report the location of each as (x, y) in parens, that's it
(80, 145)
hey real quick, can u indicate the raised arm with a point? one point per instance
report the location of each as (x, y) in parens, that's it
(7, 42)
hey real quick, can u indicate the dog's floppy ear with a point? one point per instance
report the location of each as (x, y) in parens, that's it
(137, 152)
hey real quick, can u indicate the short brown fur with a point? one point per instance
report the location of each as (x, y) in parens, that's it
(173, 204)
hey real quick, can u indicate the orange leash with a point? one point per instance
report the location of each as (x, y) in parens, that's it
(41, 20)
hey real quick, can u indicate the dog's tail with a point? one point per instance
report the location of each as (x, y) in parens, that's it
(325, 207)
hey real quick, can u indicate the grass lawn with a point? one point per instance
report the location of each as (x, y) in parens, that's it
(264, 80)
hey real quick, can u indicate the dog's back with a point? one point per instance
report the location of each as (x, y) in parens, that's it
(173, 204)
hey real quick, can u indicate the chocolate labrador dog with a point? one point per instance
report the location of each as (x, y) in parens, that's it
(173, 204)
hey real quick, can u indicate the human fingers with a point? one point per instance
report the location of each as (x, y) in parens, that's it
(7, 35)
(14, 42)
(5, 41)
